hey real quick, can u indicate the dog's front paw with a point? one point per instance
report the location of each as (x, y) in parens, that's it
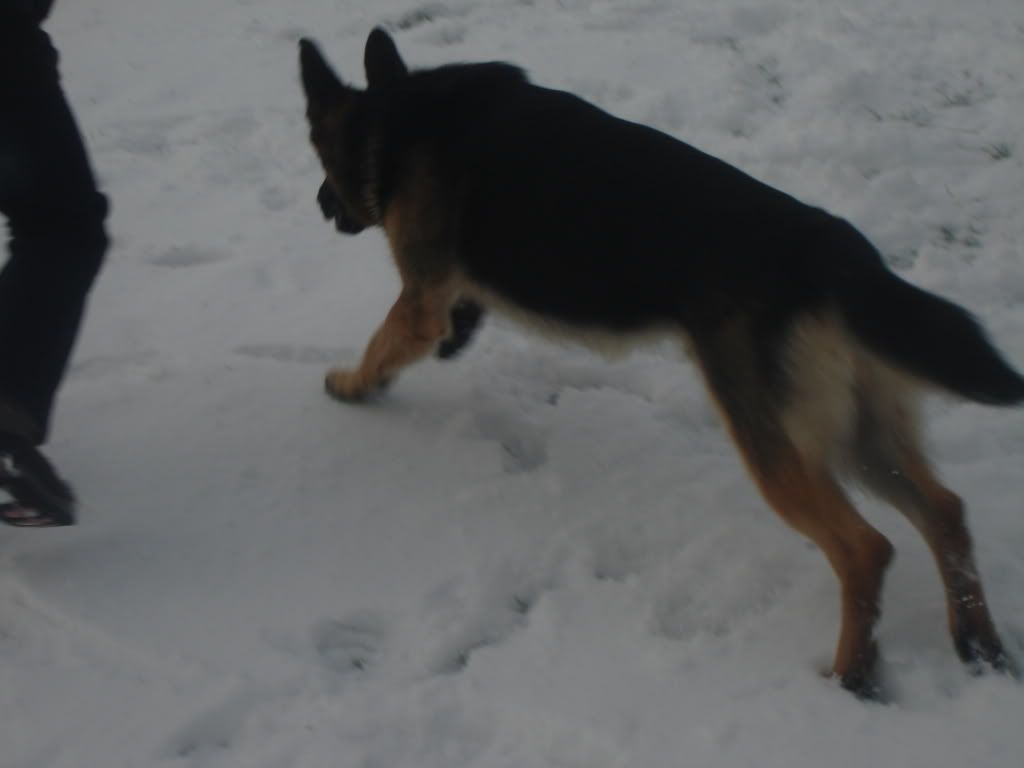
(351, 387)
(347, 386)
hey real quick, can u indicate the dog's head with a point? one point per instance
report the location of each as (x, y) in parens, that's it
(331, 106)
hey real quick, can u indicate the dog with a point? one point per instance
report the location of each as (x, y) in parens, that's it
(499, 195)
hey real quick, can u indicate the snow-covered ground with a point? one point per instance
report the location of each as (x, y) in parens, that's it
(528, 557)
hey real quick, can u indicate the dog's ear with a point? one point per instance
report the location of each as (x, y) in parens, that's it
(324, 89)
(381, 59)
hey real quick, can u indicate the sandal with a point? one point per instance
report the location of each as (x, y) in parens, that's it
(39, 498)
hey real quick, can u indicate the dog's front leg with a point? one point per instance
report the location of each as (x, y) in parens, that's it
(412, 329)
(465, 317)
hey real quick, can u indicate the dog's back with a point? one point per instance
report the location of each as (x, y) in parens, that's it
(591, 219)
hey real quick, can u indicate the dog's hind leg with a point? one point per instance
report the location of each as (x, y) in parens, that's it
(412, 329)
(807, 497)
(889, 460)
(762, 409)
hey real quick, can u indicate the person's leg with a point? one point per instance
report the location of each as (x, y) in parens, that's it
(55, 216)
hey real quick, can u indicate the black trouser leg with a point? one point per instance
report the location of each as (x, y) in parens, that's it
(55, 216)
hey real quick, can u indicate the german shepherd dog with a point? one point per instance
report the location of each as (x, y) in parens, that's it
(498, 194)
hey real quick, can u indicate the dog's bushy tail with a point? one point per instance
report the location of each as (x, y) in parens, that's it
(926, 335)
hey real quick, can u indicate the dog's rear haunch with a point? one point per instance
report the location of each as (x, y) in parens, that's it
(496, 194)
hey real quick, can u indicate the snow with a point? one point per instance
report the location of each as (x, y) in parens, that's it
(528, 556)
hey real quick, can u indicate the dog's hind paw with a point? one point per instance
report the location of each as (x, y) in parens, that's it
(984, 651)
(863, 678)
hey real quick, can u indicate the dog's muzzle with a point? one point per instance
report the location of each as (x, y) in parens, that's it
(332, 208)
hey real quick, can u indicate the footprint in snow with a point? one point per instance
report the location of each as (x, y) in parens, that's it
(348, 647)
(523, 445)
(275, 198)
(293, 353)
(487, 629)
(148, 137)
(179, 256)
(218, 730)
(421, 16)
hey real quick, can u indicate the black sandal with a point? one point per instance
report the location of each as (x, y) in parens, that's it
(39, 498)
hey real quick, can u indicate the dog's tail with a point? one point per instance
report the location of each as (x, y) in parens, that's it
(926, 335)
